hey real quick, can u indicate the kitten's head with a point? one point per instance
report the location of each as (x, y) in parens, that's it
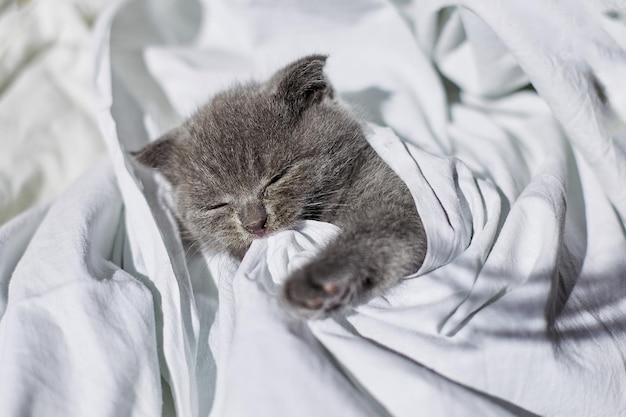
(259, 157)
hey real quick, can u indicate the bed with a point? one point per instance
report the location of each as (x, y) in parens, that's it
(506, 120)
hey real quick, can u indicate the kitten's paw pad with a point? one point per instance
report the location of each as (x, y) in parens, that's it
(315, 295)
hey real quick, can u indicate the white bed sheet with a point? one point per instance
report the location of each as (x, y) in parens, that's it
(48, 129)
(519, 309)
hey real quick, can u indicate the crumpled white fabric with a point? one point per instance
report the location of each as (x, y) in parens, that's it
(519, 308)
(47, 121)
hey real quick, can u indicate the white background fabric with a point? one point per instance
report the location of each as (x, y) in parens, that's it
(519, 308)
(48, 129)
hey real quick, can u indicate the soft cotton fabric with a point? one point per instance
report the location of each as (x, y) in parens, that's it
(519, 308)
(48, 129)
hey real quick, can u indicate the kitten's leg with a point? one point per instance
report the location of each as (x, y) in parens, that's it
(358, 265)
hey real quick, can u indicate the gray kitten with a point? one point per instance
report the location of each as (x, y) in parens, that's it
(261, 157)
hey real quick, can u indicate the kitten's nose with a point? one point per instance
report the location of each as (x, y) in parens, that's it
(256, 228)
(253, 218)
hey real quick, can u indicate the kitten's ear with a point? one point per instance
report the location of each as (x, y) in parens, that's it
(302, 83)
(159, 154)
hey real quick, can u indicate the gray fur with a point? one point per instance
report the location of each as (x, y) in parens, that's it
(262, 156)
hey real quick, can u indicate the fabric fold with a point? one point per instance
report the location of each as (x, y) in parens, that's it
(506, 124)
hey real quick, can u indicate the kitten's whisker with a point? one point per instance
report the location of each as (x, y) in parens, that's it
(195, 246)
(326, 193)
(324, 203)
(325, 208)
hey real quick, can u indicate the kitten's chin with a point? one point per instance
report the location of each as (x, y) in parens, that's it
(239, 251)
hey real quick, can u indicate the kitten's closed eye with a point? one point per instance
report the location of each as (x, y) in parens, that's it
(274, 180)
(209, 207)
(277, 177)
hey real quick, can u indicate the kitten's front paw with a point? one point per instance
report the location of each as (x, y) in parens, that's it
(317, 291)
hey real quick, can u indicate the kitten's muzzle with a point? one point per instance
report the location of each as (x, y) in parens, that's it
(258, 229)
(254, 218)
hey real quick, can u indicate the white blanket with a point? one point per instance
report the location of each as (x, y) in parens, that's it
(519, 309)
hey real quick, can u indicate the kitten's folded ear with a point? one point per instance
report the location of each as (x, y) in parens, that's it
(159, 154)
(302, 83)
